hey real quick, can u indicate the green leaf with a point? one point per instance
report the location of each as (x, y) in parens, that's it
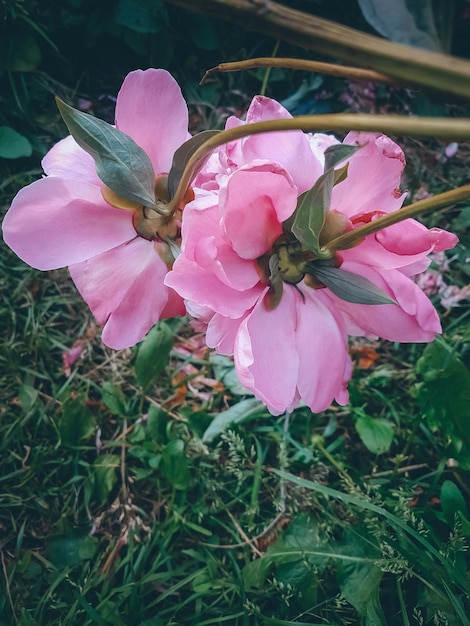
(157, 424)
(310, 214)
(142, 16)
(13, 145)
(27, 397)
(409, 22)
(255, 572)
(120, 163)
(337, 153)
(452, 502)
(445, 395)
(104, 476)
(375, 433)
(224, 371)
(349, 286)
(77, 422)
(313, 205)
(359, 579)
(175, 464)
(71, 548)
(113, 397)
(182, 156)
(153, 354)
(240, 412)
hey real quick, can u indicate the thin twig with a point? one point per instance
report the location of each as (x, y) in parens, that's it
(241, 532)
(331, 69)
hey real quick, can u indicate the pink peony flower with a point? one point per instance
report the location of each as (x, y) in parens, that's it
(63, 220)
(236, 229)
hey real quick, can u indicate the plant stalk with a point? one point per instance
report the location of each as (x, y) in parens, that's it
(342, 71)
(437, 127)
(353, 237)
(440, 72)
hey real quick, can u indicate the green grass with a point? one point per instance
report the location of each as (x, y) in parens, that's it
(118, 506)
(115, 510)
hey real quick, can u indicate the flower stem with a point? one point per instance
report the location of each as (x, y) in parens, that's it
(343, 71)
(353, 237)
(436, 127)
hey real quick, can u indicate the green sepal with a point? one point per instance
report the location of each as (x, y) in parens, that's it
(120, 163)
(312, 207)
(314, 204)
(336, 154)
(183, 155)
(274, 295)
(349, 286)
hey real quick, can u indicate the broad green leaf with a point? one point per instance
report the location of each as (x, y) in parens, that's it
(175, 464)
(302, 540)
(255, 572)
(113, 397)
(153, 354)
(13, 145)
(375, 433)
(409, 22)
(445, 395)
(312, 206)
(157, 423)
(359, 579)
(337, 153)
(69, 549)
(27, 396)
(120, 163)
(182, 156)
(349, 286)
(77, 422)
(240, 412)
(310, 215)
(452, 502)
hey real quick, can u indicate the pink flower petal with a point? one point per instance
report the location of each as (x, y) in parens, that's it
(151, 109)
(221, 333)
(255, 202)
(291, 149)
(203, 287)
(266, 360)
(321, 342)
(55, 222)
(67, 160)
(124, 289)
(205, 243)
(400, 245)
(373, 176)
(413, 320)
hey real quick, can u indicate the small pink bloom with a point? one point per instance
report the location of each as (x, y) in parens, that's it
(63, 220)
(451, 149)
(452, 295)
(431, 282)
